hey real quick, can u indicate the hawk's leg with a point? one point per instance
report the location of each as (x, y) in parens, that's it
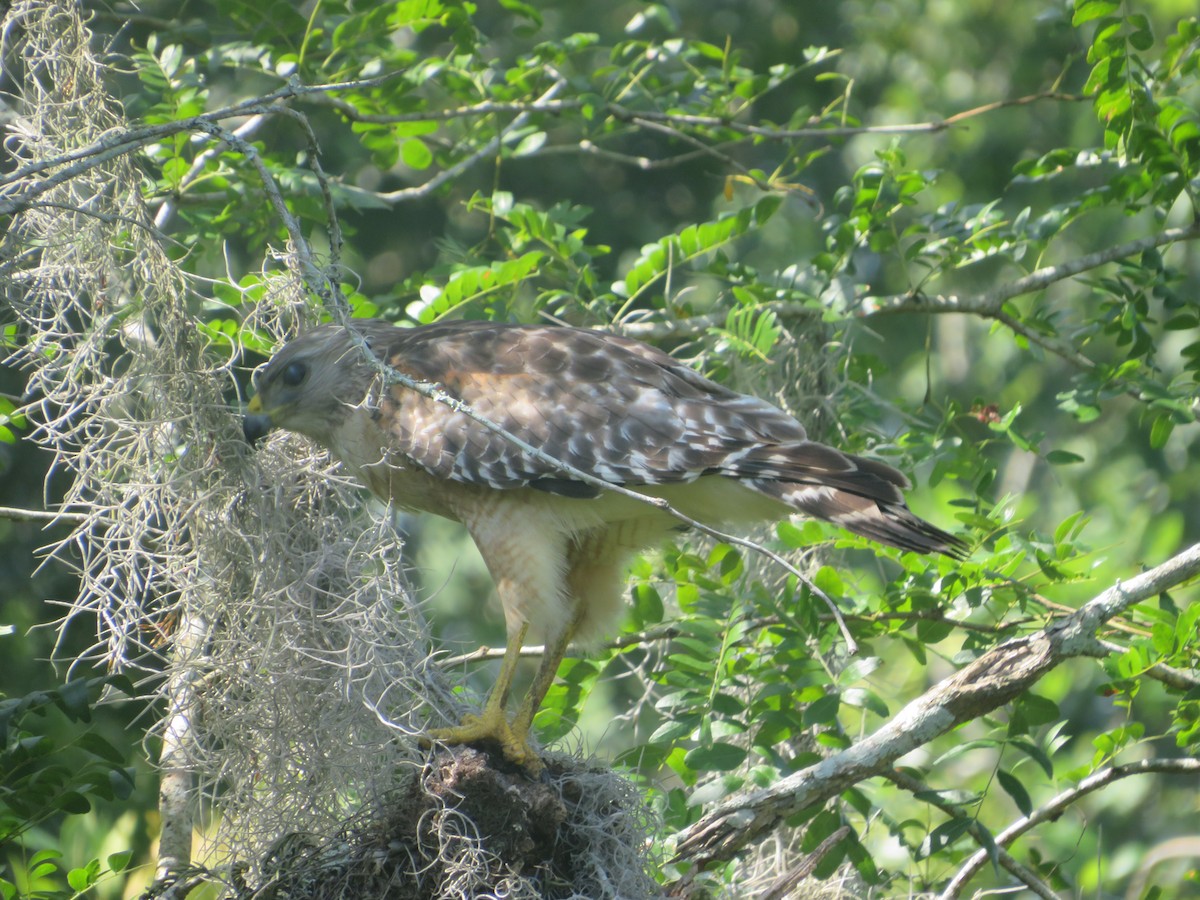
(552, 656)
(492, 724)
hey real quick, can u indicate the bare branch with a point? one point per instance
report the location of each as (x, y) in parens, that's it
(322, 284)
(994, 679)
(13, 514)
(644, 163)
(485, 108)
(670, 130)
(491, 147)
(176, 758)
(1168, 675)
(665, 632)
(816, 130)
(652, 330)
(243, 132)
(977, 831)
(124, 140)
(1055, 807)
(627, 114)
(783, 886)
(990, 303)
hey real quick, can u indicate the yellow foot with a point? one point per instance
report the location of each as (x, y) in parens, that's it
(492, 726)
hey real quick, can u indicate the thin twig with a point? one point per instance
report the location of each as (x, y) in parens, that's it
(336, 240)
(934, 615)
(1168, 675)
(653, 330)
(131, 138)
(1020, 871)
(492, 146)
(14, 514)
(670, 130)
(319, 282)
(990, 303)
(816, 130)
(484, 108)
(666, 632)
(1055, 807)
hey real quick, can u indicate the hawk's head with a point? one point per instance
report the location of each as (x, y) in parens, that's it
(308, 386)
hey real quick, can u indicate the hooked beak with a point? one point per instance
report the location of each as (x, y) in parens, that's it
(256, 423)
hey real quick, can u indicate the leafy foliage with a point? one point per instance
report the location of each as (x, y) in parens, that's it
(43, 781)
(755, 208)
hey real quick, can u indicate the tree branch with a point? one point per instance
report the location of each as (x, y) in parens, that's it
(1168, 675)
(1055, 807)
(175, 782)
(492, 146)
(816, 130)
(915, 786)
(994, 679)
(626, 114)
(322, 284)
(51, 517)
(485, 108)
(990, 303)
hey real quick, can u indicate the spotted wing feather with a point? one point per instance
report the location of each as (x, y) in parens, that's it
(624, 412)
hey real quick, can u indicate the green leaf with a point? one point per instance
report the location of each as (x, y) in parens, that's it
(1160, 431)
(1013, 787)
(530, 144)
(1035, 753)
(716, 757)
(943, 836)
(823, 711)
(78, 879)
(416, 154)
(1039, 710)
(863, 699)
(647, 605)
(1087, 10)
(524, 10)
(714, 790)
(1063, 458)
(98, 746)
(74, 802)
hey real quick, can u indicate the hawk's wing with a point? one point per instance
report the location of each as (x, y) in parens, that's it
(613, 407)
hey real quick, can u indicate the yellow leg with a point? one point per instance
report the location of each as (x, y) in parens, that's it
(530, 704)
(491, 724)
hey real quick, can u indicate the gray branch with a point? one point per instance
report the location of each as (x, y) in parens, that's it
(1054, 808)
(991, 303)
(997, 677)
(1007, 860)
(50, 517)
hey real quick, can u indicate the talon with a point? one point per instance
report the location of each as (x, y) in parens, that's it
(493, 727)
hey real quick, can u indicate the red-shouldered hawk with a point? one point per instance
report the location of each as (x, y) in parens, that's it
(609, 406)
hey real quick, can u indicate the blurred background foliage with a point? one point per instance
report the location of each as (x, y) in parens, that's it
(1055, 428)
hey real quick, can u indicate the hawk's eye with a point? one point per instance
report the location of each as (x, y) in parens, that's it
(294, 374)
